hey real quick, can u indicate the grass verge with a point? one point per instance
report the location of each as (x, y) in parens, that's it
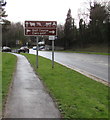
(101, 49)
(8, 67)
(97, 53)
(77, 96)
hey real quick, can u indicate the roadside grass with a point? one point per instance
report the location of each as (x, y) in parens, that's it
(100, 49)
(97, 53)
(76, 95)
(8, 67)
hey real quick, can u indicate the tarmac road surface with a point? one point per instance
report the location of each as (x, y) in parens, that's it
(96, 65)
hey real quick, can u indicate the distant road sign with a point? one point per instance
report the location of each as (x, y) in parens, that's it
(34, 28)
(51, 37)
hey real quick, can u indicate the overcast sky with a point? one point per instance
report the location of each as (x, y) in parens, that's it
(42, 10)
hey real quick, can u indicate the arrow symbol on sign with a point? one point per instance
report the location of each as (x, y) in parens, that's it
(28, 31)
(52, 31)
(27, 24)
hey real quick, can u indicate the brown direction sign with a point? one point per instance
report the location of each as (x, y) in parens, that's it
(34, 28)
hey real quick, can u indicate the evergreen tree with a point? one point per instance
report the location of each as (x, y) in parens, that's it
(68, 30)
(98, 27)
(74, 35)
(81, 32)
(82, 38)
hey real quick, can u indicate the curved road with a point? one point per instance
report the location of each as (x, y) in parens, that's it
(96, 65)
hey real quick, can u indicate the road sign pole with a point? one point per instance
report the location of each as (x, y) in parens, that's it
(41, 28)
(52, 53)
(37, 51)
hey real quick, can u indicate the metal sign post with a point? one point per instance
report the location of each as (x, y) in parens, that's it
(37, 39)
(41, 28)
(52, 38)
(52, 53)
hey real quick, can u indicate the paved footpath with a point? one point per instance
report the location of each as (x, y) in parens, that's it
(28, 98)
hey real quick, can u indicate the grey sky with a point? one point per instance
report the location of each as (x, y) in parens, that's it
(21, 10)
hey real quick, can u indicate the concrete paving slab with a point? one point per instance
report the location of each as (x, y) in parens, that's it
(28, 98)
